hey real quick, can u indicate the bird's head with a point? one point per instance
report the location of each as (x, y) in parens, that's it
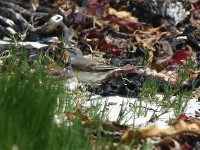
(74, 52)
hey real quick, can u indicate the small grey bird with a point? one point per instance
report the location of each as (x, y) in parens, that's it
(86, 69)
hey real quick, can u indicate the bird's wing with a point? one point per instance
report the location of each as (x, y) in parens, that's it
(103, 67)
(86, 64)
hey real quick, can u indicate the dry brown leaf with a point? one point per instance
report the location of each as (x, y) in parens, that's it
(52, 65)
(120, 14)
(168, 143)
(66, 57)
(195, 18)
(91, 122)
(196, 93)
(47, 59)
(164, 54)
(148, 42)
(150, 131)
(149, 30)
(55, 67)
(34, 4)
(150, 59)
(63, 4)
(79, 113)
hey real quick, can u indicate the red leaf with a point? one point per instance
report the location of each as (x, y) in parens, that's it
(129, 71)
(180, 55)
(107, 46)
(186, 146)
(121, 22)
(96, 34)
(117, 51)
(183, 117)
(111, 48)
(196, 5)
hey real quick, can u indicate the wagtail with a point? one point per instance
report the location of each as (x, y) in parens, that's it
(86, 69)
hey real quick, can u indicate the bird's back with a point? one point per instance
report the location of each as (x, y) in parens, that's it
(90, 65)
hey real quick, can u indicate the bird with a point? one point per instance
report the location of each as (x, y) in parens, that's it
(88, 70)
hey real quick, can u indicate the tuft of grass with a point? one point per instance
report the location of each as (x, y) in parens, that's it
(123, 114)
(29, 100)
(179, 103)
(183, 70)
(27, 104)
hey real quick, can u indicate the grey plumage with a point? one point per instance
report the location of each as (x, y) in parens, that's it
(86, 69)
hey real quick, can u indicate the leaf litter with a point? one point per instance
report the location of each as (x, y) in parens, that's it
(163, 46)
